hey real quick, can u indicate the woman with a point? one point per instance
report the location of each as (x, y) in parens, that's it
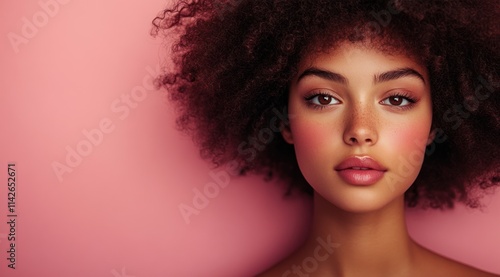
(388, 102)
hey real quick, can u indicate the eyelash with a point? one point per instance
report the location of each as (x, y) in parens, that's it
(311, 96)
(406, 96)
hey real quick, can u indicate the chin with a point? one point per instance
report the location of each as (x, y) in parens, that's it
(361, 199)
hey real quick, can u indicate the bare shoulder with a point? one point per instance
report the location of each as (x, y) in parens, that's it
(433, 264)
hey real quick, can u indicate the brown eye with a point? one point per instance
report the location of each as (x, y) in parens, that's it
(324, 99)
(395, 100)
(398, 101)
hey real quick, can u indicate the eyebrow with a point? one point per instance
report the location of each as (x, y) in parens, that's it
(324, 74)
(398, 73)
(383, 77)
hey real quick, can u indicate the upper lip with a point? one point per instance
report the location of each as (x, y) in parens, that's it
(360, 162)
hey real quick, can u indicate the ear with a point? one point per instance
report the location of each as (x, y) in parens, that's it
(286, 133)
(432, 136)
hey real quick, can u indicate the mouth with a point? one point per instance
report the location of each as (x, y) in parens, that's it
(360, 170)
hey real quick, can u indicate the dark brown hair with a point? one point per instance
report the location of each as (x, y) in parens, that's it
(233, 62)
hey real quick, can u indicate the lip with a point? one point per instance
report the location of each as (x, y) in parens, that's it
(360, 170)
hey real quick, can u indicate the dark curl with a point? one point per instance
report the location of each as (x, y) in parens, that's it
(234, 61)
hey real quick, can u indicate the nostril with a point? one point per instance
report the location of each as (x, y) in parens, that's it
(354, 140)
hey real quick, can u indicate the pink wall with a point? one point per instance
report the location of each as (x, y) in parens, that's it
(76, 76)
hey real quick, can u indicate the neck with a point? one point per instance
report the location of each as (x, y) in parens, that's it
(374, 243)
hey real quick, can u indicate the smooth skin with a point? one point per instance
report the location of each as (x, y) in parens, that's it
(355, 100)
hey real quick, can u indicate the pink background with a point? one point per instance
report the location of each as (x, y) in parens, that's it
(117, 212)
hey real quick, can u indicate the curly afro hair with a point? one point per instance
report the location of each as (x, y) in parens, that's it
(234, 60)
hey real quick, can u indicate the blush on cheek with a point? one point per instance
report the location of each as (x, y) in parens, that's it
(310, 136)
(310, 151)
(313, 144)
(411, 142)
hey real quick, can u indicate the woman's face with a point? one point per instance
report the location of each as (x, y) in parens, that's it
(360, 120)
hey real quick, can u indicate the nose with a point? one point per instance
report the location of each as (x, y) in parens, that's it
(360, 128)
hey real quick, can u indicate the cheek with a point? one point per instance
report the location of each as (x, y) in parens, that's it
(413, 137)
(314, 143)
(306, 132)
(408, 145)
(308, 137)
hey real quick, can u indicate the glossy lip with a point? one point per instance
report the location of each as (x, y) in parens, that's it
(360, 170)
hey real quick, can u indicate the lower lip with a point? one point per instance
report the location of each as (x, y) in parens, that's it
(361, 177)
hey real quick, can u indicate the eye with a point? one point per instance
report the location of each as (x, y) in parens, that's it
(398, 101)
(322, 99)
